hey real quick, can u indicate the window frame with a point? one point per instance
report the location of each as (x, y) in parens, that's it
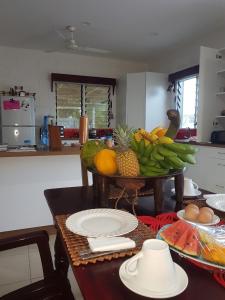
(174, 80)
(85, 80)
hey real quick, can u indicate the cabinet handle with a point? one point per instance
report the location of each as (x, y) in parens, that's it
(220, 186)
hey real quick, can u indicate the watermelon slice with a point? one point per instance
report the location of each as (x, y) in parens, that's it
(172, 233)
(182, 241)
(192, 246)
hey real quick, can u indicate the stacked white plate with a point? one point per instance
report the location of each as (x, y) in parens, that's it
(216, 201)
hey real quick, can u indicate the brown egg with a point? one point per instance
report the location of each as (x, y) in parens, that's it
(205, 217)
(206, 209)
(191, 206)
(191, 214)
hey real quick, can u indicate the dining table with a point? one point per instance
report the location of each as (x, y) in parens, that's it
(101, 280)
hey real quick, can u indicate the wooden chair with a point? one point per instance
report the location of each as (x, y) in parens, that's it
(53, 286)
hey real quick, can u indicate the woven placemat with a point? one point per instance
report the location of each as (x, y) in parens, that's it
(201, 203)
(76, 243)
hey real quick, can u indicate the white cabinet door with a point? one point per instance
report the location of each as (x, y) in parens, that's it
(142, 100)
(210, 105)
(209, 172)
(136, 100)
(157, 101)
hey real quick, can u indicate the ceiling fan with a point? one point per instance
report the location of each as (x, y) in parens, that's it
(71, 44)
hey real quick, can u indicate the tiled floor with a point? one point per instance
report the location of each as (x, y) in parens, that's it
(22, 266)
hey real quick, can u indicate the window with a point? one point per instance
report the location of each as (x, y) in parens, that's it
(78, 95)
(187, 101)
(185, 85)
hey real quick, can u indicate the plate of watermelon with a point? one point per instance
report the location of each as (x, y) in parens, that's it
(185, 239)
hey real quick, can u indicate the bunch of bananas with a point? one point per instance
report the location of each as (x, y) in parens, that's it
(151, 137)
(158, 156)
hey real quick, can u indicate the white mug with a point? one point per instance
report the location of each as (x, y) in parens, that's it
(153, 267)
(190, 187)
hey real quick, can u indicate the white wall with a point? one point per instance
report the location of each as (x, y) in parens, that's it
(186, 54)
(32, 69)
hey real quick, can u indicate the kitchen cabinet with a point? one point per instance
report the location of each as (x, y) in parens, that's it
(22, 184)
(142, 100)
(211, 92)
(209, 172)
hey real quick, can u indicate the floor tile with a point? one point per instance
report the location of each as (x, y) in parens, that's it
(7, 288)
(14, 268)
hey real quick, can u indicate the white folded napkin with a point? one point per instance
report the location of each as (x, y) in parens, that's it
(110, 243)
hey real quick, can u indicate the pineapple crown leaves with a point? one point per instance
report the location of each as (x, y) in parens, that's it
(122, 136)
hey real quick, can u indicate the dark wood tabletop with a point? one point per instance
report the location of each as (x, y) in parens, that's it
(100, 281)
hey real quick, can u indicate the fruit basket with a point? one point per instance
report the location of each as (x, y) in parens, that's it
(139, 158)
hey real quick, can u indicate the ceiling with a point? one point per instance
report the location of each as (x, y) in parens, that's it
(129, 29)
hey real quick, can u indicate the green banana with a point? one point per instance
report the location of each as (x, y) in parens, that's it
(155, 174)
(155, 155)
(165, 165)
(134, 145)
(176, 162)
(155, 169)
(189, 158)
(148, 150)
(143, 160)
(165, 152)
(151, 163)
(141, 147)
(181, 148)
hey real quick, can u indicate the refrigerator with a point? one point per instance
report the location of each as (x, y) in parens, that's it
(17, 120)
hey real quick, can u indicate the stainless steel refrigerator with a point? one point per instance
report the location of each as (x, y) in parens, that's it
(17, 119)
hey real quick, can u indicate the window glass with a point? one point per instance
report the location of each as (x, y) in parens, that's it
(187, 101)
(72, 98)
(68, 104)
(96, 105)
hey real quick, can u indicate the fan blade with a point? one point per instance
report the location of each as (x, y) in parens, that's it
(89, 49)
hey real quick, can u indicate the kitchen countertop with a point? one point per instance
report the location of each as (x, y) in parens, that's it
(65, 151)
(208, 144)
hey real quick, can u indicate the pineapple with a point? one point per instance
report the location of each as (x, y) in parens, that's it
(126, 158)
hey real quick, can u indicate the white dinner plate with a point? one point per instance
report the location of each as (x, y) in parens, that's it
(216, 201)
(131, 283)
(197, 193)
(101, 222)
(180, 215)
(198, 259)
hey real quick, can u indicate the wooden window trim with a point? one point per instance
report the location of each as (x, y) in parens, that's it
(183, 73)
(82, 79)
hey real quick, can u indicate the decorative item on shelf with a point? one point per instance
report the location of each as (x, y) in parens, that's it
(54, 138)
(17, 91)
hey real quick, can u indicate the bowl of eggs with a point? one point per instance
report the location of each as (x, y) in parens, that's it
(193, 214)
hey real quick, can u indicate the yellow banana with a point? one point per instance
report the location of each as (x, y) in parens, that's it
(165, 140)
(155, 130)
(137, 136)
(153, 138)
